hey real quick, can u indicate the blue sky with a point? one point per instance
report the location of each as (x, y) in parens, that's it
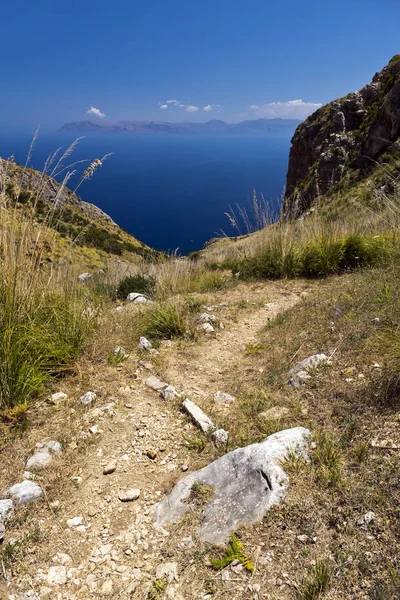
(127, 58)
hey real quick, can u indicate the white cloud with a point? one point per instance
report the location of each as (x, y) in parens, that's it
(173, 102)
(96, 112)
(293, 109)
(190, 108)
(178, 104)
(164, 106)
(207, 108)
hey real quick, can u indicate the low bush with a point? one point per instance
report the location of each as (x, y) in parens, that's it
(141, 284)
(165, 320)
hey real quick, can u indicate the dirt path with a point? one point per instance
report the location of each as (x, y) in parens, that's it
(112, 549)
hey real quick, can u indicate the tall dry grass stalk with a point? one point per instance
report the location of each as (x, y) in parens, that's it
(43, 318)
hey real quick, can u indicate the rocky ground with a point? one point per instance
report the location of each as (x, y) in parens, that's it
(93, 532)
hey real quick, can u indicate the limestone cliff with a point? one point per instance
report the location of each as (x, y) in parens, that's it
(345, 139)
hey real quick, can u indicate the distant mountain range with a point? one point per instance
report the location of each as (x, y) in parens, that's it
(262, 126)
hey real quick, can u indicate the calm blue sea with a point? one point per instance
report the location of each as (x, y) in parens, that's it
(170, 191)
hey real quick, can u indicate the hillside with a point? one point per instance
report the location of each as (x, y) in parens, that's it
(343, 142)
(261, 126)
(92, 235)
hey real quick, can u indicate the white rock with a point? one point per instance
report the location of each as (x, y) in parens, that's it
(57, 576)
(246, 483)
(137, 298)
(95, 430)
(198, 416)
(25, 492)
(58, 396)
(6, 509)
(220, 436)
(129, 495)
(298, 379)
(206, 318)
(31, 476)
(205, 327)
(309, 363)
(110, 467)
(88, 398)
(38, 461)
(107, 588)
(365, 520)
(223, 398)
(168, 570)
(144, 344)
(155, 384)
(169, 393)
(120, 352)
(62, 558)
(84, 276)
(119, 308)
(74, 522)
(52, 446)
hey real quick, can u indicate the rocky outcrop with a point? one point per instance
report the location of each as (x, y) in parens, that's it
(347, 137)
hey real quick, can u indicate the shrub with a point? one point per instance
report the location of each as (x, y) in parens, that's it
(141, 284)
(165, 320)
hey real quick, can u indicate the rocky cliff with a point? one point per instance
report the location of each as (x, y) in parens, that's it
(344, 140)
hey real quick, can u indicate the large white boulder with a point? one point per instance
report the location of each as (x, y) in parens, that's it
(245, 482)
(137, 298)
(25, 492)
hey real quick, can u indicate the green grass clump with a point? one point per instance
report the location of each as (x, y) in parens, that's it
(234, 551)
(165, 320)
(37, 342)
(328, 458)
(317, 582)
(141, 284)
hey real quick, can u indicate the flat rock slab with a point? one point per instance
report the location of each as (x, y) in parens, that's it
(246, 483)
(309, 363)
(24, 492)
(198, 416)
(155, 384)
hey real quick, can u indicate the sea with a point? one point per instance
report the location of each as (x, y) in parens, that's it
(171, 192)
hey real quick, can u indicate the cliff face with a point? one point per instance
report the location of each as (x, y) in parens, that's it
(347, 137)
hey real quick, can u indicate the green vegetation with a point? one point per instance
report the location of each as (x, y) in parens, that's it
(141, 284)
(165, 320)
(317, 582)
(234, 551)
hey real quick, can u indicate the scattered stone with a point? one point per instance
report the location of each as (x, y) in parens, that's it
(169, 570)
(276, 412)
(119, 308)
(298, 379)
(57, 397)
(144, 344)
(246, 482)
(129, 495)
(107, 588)
(74, 522)
(38, 461)
(155, 384)
(365, 520)
(120, 352)
(51, 446)
(309, 363)
(220, 437)
(184, 467)
(223, 398)
(62, 558)
(376, 366)
(169, 393)
(198, 416)
(302, 538)
(206, 318)
(77, 480)
(84, 276)
(205, 327)
(110, 467)
(57, 576)
(152, 454)
(376, 320)
(25, 492)
(94, 430)
(88, 398)
(137, 298)
(6, 509)
(2, 531)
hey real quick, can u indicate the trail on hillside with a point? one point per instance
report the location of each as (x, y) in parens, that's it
(94, 541)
